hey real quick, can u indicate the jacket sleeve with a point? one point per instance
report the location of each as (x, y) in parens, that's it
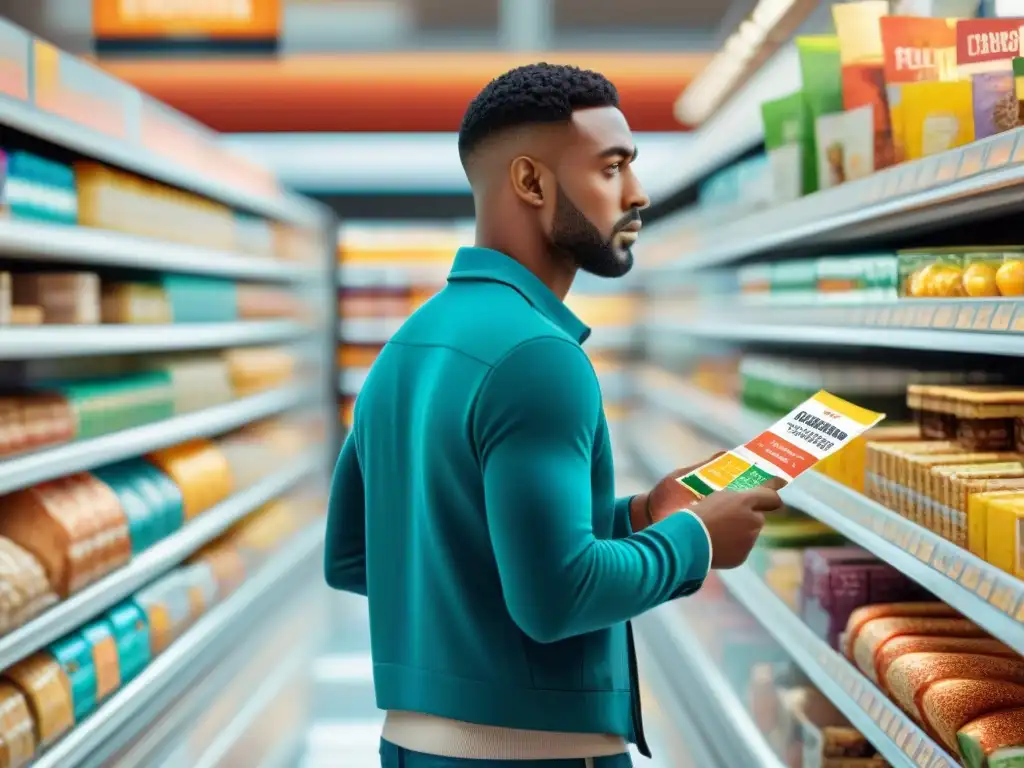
(623, 523)
(534, 424)
(345, 544)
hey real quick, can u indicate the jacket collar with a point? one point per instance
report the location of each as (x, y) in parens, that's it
(494, 266)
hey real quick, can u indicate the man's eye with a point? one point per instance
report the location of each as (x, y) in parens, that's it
(613, 169)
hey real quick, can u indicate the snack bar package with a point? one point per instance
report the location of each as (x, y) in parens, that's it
(812, 431)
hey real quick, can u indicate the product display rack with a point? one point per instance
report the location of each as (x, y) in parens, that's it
(983, 593)
(751, 305)
(117, 722)
(901, 741)
(961, 185)
(266, 239)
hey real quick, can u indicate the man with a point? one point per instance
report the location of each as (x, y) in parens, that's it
(474, 500)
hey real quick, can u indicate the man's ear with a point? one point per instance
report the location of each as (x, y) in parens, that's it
(525, 174)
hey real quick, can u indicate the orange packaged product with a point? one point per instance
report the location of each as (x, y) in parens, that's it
(17, 729)
(48, 690)
(200, 470)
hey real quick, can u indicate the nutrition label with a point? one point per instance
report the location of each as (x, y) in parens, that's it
(812, 431)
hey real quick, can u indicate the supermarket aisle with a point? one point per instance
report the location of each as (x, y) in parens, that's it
(345, 720)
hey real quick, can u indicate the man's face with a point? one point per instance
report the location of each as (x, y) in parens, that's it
(596, 216)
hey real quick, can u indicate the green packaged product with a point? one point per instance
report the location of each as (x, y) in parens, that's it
(789, 144)
(143, 519)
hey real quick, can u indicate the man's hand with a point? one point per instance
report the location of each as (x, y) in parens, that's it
(666, 498)
(734, 519)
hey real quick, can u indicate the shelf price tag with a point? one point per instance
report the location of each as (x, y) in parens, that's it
(927, 171)
(971, 577)
(983, 316)
(972, 162)
(1002, 598)
(984, 589)
(1002, 317)
(924, 756)
(1018, 319)
(965, 318)
(949, 162)
(1000, 151)
(945, 316)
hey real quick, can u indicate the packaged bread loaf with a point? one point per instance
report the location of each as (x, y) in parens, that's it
(949, 705)
(48, 691)
(17, 729)
(910, 676)
(47, 521)
(115, 541)
(875, 634)
(24, 589)
(899, 647)
(993, 741)
(862, 615)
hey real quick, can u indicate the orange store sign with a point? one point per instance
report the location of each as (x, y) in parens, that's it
(161, 19)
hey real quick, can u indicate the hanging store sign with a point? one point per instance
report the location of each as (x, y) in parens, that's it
(199, 25)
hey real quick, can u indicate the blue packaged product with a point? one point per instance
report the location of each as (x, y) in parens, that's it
(143, 519)
(74, 655)
(131, 633)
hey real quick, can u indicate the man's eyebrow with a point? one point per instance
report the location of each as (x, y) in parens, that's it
(621, 151)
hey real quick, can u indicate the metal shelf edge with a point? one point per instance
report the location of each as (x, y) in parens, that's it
(24, 117)
(47, 464)
(965, 342)
(916, 197)
(146, 566)
(46, 242)
(147, 687)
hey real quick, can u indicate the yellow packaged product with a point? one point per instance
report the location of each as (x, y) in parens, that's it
(888, 458)
(921, 472)
(849, 466)
(959, 488)
(977, 518)
(938, 116)
(1005, 545)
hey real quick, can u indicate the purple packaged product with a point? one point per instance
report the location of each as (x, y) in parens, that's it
(995, 103)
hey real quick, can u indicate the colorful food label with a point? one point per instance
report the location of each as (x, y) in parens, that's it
(812, 431)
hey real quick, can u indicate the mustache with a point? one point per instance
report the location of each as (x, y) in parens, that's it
(625, 221)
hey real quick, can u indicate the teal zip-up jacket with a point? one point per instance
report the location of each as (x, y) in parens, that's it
(474, 504)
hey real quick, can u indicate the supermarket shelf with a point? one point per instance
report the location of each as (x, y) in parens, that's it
(999, 326)
(666, 634)
(273, 685)
(106, 248)
(686, 735)
(988, 596)
(963, 184)
(369, 330)
(144, 568)
(46, 341)
(392, 275)
(23, 471)
(101, 734)
(24, 117)
(895, 735)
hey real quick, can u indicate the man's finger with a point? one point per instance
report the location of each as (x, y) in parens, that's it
(775, 483)
(764, 499)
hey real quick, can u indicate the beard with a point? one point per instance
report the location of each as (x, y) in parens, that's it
(573, 236)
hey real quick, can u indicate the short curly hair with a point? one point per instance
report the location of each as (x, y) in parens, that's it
(532, 94)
